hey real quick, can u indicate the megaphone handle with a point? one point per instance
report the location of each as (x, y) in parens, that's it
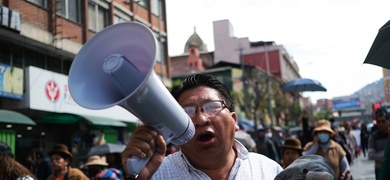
(135, 164)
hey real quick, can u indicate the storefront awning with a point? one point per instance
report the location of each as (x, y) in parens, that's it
(15, 118)
(68, 118)
(60, 118)
(104, 121)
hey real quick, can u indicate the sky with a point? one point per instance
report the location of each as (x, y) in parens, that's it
(328, 39)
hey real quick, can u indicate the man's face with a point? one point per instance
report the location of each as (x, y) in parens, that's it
(214, 133)
(289, 156)
(383, 124)
(57, 162)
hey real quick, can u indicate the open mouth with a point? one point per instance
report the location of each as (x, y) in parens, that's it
(206, 137)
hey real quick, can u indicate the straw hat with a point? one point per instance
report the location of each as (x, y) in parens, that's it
(95, 161)
(61, 149)
(292, 143)
(323, 125)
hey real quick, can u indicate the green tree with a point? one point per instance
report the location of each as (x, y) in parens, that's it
(323, 114)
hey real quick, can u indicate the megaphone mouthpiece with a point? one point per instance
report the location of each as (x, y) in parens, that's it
(120, 70)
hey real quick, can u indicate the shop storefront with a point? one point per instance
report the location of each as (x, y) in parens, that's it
(54, 117)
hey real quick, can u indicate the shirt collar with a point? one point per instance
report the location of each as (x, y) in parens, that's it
(242, 154)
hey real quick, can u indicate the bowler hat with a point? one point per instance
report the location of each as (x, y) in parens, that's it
(60, 149)
(292, 143)
(323, 125)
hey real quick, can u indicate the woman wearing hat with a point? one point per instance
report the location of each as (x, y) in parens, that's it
(323, 145)
(97, 169)
(59, 162)
(292, 150)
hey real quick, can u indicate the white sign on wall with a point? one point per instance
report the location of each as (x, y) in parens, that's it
(10, 19)
(48, 91)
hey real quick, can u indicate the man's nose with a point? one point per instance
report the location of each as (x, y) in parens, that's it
(200, 118)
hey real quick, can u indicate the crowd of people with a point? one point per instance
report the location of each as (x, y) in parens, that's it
(214, 153)
(58, 167)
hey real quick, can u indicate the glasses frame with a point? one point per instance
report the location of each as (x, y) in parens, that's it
(223, 105)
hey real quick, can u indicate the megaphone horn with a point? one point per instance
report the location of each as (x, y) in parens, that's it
(115, 67)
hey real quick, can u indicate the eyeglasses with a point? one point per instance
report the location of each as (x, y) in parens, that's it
(209, 108)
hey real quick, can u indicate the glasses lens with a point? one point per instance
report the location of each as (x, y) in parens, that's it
(190, 110)
(208, 108)
(212, 107)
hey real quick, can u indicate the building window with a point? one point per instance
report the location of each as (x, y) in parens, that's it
(41, 3)
(161, 50)
(155, 7)
(143, 3)
(97, 17)
(70, 9)
(118, 19)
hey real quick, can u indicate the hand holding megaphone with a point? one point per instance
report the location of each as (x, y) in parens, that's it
(145, 143)
(115, 67)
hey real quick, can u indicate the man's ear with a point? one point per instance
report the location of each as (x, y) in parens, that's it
(234, 116)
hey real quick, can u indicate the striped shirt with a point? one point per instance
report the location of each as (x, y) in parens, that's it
(248, 165)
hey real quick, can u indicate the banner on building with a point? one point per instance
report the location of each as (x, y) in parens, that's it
(346, 102)
(11, 82)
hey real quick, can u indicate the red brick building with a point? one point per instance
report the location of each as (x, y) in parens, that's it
(42, 37)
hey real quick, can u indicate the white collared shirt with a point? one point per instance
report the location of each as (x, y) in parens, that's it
(248, 165)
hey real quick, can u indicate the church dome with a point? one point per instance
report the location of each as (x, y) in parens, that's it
(196, 41)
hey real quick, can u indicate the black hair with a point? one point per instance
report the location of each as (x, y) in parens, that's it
(207, 80)
(382, 112)
(5, 150)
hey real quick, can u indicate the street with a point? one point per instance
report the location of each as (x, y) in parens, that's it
(363, 169)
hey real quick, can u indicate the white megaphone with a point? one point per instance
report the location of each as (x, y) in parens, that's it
(115, 67)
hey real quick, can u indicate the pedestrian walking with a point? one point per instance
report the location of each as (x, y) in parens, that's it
(292, 150)
(97, 169)
(60, 163)
(364, 135)
(265, 145)
(322, 145)
(377, 140)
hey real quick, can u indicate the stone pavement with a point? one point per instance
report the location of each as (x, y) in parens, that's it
(363, 169)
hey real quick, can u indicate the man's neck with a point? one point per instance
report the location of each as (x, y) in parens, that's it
(219, 167)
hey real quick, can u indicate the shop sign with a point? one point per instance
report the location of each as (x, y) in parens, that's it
(10, 19)
(52, 91)
(48, 91)
(11, 82)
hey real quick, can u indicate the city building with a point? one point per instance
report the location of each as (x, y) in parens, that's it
(254, 63)
(269, 56)
(324, 104)
(195, 57)
(39, 40)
